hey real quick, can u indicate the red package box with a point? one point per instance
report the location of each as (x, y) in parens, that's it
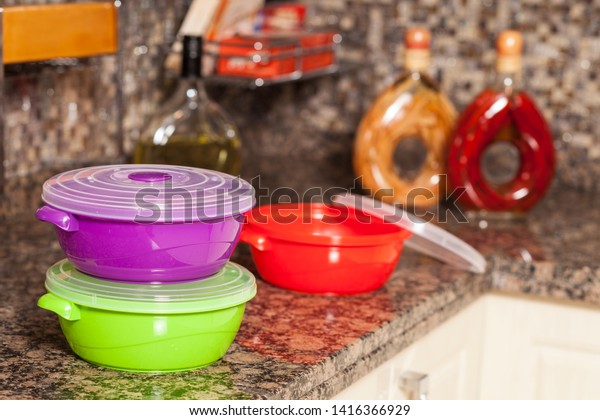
(273, 54)
(285, 16)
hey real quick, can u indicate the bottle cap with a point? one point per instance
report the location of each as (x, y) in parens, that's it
(509, 47)
(417, 38)
(417, 41)
(510, 42)
(191, 64)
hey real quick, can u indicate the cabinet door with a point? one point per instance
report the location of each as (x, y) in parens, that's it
(540, 350)
(500, 347)
(373, 386)
(449, 356)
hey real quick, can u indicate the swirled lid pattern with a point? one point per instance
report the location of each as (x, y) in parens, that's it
(231, 286)
(149, 193)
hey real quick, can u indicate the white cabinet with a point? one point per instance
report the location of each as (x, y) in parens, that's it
(536, 349)
(499, 347)
(449, 355)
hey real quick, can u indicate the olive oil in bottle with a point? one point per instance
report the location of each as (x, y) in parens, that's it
(200, 152)
(190, 129)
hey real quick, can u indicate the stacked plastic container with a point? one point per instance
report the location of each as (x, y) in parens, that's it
(147, 284)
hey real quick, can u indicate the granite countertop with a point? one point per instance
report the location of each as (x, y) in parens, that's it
(293, 345)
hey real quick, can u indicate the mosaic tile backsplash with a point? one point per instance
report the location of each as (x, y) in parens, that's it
(300, 134)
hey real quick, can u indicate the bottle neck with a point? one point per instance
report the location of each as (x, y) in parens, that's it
(191, 65)
(193, 88)
(508, 82)
(508, 74)
(416, 60)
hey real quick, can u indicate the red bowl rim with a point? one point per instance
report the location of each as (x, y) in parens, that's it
(274, 231)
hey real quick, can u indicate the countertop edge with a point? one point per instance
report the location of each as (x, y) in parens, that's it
(398, 342)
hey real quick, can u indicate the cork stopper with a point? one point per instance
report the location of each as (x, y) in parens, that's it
(417, 38)
(509, 43)
(417, 41)
(509, 47)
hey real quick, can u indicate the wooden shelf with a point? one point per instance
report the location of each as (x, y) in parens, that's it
(46, 32)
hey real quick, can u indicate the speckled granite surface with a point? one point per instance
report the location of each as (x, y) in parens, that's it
(293, 345)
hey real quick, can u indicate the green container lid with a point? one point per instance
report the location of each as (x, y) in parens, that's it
(231, 286)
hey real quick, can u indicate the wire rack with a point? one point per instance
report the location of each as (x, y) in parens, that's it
(245, 61)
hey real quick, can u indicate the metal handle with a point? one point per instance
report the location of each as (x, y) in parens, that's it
(415, 385)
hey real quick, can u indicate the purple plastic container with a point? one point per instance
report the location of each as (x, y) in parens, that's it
(146, 223)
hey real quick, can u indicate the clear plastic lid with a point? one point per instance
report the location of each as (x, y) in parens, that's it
(427, 238)
(149, 193)
(231, 286)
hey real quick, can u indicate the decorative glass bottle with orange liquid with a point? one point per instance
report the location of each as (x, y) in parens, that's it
(412, 113)
(503, 117)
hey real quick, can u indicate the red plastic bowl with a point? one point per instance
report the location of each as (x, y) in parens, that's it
(319, 248)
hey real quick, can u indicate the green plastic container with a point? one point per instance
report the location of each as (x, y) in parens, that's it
(148, 327)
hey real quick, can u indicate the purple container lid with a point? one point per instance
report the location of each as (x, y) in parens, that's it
(149, 193)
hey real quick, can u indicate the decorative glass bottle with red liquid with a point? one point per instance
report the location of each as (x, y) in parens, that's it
(502, 117)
